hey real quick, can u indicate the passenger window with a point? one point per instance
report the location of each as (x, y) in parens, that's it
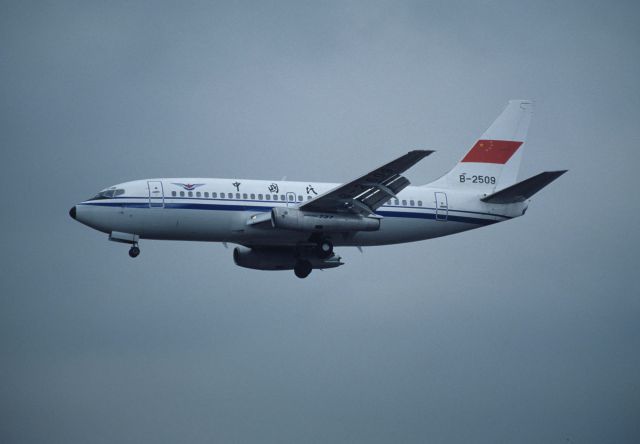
(396, 202)
(275, 197)
(292, 197)
(253, 196)
(221, 195)
(190, 193)
(237, 195)
(198, 194)
(206, 194)
(173, 193)
(244, 196)
(268, 196)
(259, 196)
(404, 202)
(181, 193)
(419, 203)
(214, 195)
(412, 203)
(308, 197)
(282, 197)
(299, 198)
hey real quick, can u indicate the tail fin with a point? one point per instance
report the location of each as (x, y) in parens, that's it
(494, 160)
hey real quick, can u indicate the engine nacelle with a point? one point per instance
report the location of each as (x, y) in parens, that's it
(294, 219)
(279, 258)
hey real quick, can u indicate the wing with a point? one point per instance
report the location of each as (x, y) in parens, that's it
(369, 192)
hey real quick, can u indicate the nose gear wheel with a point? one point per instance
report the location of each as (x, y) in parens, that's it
(134, 251)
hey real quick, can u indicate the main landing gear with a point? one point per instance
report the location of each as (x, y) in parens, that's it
(323, 250)
(134, 251)
(302, 269)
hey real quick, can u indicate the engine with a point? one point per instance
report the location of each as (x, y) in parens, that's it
(271, 258)
(294, 219)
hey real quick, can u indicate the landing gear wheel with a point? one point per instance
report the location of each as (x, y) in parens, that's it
(302, 269)
(134, 251)
(324, 248)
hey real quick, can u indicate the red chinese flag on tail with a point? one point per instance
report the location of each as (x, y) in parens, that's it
(492, 151)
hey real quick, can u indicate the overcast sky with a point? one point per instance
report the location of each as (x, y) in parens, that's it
(524, 331)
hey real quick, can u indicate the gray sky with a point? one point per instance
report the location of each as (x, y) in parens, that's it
(525, 331)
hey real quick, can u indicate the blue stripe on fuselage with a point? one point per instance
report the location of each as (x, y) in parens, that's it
(236, 207)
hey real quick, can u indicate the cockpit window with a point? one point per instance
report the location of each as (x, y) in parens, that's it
(103, 195)
(108, 194)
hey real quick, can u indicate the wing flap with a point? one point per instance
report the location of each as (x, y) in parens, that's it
(522, 191)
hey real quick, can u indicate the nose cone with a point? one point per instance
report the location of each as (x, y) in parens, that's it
(72, 212)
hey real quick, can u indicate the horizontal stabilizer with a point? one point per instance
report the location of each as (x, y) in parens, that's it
(522, 191)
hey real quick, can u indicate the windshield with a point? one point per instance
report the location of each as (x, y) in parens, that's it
(108, 194)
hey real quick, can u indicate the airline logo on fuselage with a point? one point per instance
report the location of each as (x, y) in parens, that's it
(189, 186)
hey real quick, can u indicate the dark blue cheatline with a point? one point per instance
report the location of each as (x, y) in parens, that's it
(253, 208)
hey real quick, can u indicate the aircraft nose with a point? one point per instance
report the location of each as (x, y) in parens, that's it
(72, 212)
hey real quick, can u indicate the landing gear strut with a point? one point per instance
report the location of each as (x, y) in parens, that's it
(134, 251)
(324, 248)
(302, 269)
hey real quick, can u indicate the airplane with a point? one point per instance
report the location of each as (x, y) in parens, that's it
(283, 225)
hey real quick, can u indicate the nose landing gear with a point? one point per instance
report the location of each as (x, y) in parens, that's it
(134, 251)
(126, 238)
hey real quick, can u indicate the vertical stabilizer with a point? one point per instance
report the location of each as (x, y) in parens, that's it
(494, 160)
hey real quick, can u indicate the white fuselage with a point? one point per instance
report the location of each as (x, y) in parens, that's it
(217, 210)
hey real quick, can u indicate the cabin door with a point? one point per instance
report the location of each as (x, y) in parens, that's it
(156, 194)
(442, 207)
